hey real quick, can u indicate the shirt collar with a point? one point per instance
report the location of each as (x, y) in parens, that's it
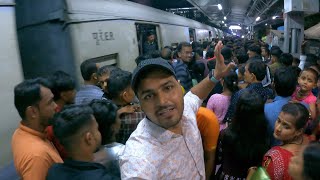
(32, 131)
(158, 132)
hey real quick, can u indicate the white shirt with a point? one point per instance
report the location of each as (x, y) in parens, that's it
(156, 153)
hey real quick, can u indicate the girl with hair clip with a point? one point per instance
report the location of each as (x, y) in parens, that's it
(289, 129)
(219, 103)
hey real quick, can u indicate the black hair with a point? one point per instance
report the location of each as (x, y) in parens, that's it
(285, 81)
(211, 64)
(210, 53)
(226, 53)
(105, 113)
(276, 52)
(296, 60)
(142, 58)
(258, 68)
(247, 136)
(286, 59)
(241, 70)
(314, 72)
(117, 83)
(28, 93)
(183, 44)
(199, 51)
(167, 53)
(88, 67)
(255, 48)
(106, 69)
(198, 71)
(175, 54)
(70, 121)
(231, 82)
(266, 49)
(61, 82)
(311, 161)
(299, 111)
(154, 53)
(205, 44)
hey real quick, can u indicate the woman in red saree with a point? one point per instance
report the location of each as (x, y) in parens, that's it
(289, 129)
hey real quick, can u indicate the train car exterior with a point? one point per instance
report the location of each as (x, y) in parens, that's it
(11, 75)
(107, 32)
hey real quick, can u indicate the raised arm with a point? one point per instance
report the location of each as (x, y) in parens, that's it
(203, 89)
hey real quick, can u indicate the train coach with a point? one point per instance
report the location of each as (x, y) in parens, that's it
(61, 34)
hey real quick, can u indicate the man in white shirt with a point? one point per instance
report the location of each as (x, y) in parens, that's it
(167, 143)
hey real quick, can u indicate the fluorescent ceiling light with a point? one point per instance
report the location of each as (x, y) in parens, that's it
(225, 18)
(219, 7)
(266, 24)
(274, 17)
(242, 36)
(222, 21)
(258, 18)
(235, 27)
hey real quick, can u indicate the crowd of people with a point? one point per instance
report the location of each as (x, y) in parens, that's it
(210, 110)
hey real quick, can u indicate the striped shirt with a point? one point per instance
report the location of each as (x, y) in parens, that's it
(87, 93)
(183, 75)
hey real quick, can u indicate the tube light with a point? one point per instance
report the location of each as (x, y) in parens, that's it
(219, 7)
(225, 18)
(235, 27)
(258, 18)
(274, 17)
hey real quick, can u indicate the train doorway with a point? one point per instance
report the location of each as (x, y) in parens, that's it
(148, 38)
(192, 34)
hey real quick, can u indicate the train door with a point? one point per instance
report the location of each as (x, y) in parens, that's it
(148, 38)
(192, 34)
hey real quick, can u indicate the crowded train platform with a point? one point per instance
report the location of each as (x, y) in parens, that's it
(110, 89)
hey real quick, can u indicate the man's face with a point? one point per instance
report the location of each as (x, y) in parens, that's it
(94, 130)
(185, 54)
(46, 106)
(251, 54)
(103, 81)
(161, 98)
(264, 52)
(151, 38)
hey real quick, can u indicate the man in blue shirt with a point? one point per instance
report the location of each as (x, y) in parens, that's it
(181, 66)
(284, 84)
(89, 90)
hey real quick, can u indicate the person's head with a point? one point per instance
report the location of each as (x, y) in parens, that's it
(265, 52)
(77, 130)
(198, 53)
(291, 123)
(106, 116)
(185, 52)
(89, 71)
(63, 87)
(275, 55)
(119, 87)
(230, 82)
(104, 74)
(34, 102)
(308, 79)
(255, 71)
(285, 81)
(286, 59)
(151, 37)
(306, 164)
(205, 45)
(210, 53)
(142, 58)
(226, 53)
(166, 53)
(241, 71)
(295, 62)
(254, 50)
(159, 92)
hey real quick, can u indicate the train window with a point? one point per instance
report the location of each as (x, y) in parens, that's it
(148, 38)
(192, 34)
(110, 59)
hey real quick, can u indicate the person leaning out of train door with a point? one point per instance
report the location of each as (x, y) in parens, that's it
(90, 89)
(150, 44)
(181, 65)
(33, 154)
(77, 130)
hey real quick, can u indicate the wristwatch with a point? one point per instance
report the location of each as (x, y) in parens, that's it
(212, 78)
